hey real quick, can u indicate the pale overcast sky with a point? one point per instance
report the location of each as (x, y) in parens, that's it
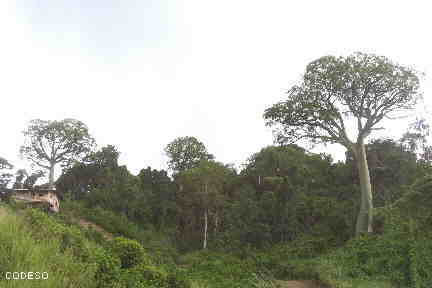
(141, 73)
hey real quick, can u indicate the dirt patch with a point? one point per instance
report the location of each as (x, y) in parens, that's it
(298, 284)
(87, 224)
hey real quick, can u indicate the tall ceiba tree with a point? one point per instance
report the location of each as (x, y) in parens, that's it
(362, 87)
(186, 153)
(48, 143)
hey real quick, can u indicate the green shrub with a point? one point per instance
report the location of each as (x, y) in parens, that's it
(297, 269)
(402, 254)
(42, 224)
(154, 275)
(74, 240)
(71, 238)
(130, 252)
(177, 280)
(286, 260)
(108, 268)
(218, 270)
(94, 235)
(372, 256)
(420, 260)
(145, 276)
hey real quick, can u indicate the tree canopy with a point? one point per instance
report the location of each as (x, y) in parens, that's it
(186, 153)
(48, 143)
(93, 171)
(362, 86)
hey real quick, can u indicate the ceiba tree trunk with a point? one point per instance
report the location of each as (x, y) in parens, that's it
(51, 175)
(365, 216)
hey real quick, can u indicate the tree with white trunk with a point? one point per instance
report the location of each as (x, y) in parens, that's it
(362, 87)
(48, 143)
(201, 197)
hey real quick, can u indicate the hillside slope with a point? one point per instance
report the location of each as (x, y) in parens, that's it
(33, 241)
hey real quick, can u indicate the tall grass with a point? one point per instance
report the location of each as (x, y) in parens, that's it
(19, 252)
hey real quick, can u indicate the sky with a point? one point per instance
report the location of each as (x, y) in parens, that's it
(141, 73)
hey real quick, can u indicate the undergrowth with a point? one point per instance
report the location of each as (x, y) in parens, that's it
(35, 241)
(159, 246)
(21, 252)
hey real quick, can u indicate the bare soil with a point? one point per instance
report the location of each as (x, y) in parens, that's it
(86, 224)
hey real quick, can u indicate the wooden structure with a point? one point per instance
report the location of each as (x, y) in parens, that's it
(44, 196)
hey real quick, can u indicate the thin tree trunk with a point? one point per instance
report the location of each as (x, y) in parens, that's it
(51, 175)
(364, 219)
(205, 218)
(216, 222)
(205, 229)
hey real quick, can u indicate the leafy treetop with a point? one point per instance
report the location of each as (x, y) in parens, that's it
(186, 153)
(362, 86)
(48, 143)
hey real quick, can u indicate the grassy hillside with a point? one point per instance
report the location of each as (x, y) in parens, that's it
(31, 240)
(21, 251)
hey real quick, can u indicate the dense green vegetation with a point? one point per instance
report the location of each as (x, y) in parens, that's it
(73, 257)
(288, 214)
